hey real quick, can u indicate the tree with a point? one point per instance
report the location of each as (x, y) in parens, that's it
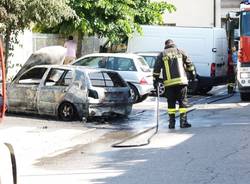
(17, 15)
(113, 19)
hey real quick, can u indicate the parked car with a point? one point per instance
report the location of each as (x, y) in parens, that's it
(133, 68)
(69, 92)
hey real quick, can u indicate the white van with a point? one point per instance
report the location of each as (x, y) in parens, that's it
(207, 48)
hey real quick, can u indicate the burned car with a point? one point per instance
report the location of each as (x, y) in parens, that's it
(69, 92)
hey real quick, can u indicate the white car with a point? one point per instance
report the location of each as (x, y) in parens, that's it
(133, 69)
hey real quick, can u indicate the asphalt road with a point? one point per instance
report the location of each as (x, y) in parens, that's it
(215, 150)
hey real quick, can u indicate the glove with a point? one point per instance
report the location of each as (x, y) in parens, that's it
(191, 75)
(155, 83)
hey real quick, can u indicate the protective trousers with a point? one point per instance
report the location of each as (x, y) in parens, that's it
(177, 94)
(232, 80)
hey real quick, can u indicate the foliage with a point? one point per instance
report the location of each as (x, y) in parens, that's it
(151, 13)
(114, 19)
(16, 15)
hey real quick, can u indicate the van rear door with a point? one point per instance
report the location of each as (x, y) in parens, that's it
(220, 53)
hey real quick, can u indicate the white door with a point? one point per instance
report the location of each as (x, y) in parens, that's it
(220, 53)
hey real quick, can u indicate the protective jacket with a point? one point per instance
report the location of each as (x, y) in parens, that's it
(174, 64)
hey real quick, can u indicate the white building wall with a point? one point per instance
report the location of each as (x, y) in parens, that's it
(195, 13)
(20, 54)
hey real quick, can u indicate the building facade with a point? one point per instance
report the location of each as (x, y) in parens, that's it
(200, 13)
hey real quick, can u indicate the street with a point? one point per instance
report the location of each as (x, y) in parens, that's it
(215, 150)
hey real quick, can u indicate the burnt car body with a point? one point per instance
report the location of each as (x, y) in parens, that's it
(69, 92)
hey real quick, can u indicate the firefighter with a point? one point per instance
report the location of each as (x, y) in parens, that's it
(232, 70)
(174, 64)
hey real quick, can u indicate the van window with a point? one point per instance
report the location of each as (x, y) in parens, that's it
(33, 76)
(106, 79)
(92, 62)
(120, 64)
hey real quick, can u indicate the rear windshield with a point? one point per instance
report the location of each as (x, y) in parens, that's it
(106, 79)
(143, 65)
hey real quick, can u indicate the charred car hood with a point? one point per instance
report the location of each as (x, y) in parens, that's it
(51, 55)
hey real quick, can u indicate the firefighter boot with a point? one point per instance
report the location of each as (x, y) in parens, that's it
(183, 121)
(230, 89)
(171, 121)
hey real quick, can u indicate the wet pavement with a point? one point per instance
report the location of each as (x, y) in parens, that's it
(214, 150)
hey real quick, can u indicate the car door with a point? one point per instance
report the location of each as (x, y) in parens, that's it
(22, 93)
(53, 91)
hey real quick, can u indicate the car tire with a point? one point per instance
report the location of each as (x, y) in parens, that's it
(142, 98)
(204, 90)
(134, 93)
(66, 111)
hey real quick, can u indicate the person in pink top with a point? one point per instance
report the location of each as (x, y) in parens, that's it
(71, 46)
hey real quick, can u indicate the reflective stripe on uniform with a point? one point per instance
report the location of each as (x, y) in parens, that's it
(171, 111)
(170, 79)
(156, 73)
(231, 84)
(175, 81)
(165, 59)
(182, 110)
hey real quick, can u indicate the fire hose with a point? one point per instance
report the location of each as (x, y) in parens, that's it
(156, 127)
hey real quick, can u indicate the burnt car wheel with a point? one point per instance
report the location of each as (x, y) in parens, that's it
(66, 111)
